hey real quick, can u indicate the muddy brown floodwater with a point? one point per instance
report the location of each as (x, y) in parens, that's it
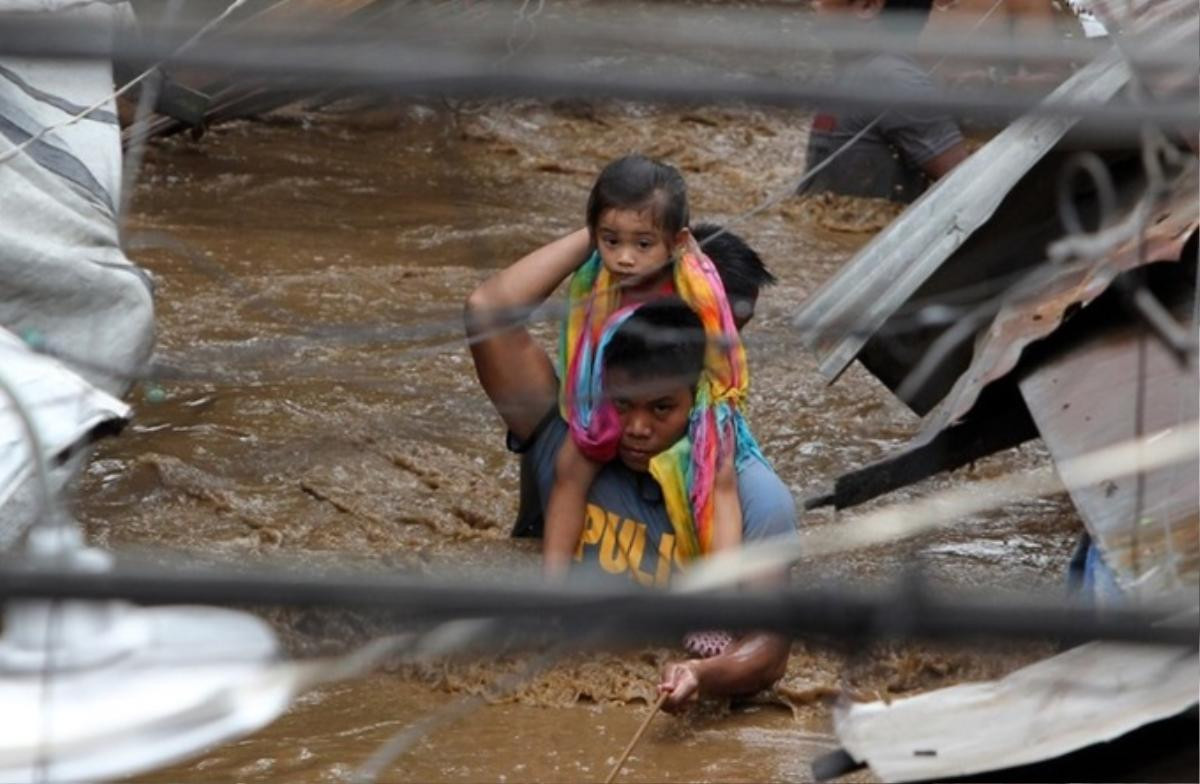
(311, 269)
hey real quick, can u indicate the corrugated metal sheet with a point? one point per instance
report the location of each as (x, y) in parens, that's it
(1082, 389)
(1033, 317)
(1088, 695)
(839, 318)
(882, 280)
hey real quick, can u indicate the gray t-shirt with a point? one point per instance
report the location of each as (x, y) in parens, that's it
(886, 162)
(627, 530)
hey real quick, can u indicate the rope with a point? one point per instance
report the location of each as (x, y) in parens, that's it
(637, 736)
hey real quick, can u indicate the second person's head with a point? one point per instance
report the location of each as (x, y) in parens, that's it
(636, 214)
(651, 366)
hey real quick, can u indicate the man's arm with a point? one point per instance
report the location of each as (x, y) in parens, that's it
(513, 369)
(751, 664)
(929, 140)
(940, 164)
(757, 660)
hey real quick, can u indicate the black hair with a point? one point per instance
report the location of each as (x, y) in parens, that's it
(636, 182)
(741, 269)
(905, 16)
(664, 338)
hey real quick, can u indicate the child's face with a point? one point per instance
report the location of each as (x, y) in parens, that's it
(630, 245)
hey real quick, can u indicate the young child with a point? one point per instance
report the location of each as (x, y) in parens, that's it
(637, 216)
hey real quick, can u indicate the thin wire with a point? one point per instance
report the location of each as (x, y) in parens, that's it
(522, 18)
(403, 741)
(838, 610)
(770, 201)
(457, 710)
(805, 177)
(1086, 248)
(904, 392)
(42, 760)
(1154, 190)
(680, 31)
(946, 508)
(138, 136)
(121, 90)
(440, 332)
(520, 315)
(1139, 428)
(1183, 470)
(422, 69)
(968, 323)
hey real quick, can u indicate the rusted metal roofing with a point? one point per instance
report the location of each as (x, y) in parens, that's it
(1066, 289)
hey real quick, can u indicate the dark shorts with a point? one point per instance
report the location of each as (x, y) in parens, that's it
(531, 518)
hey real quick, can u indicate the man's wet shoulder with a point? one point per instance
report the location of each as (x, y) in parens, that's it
(768, 507)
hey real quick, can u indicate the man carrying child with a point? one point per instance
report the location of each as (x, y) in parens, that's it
(651, 365)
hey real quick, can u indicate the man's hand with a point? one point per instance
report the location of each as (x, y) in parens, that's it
(752, 663)
(681, 682)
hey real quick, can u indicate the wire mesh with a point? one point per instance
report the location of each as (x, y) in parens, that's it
(523, 67)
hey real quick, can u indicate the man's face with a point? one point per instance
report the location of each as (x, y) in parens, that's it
(630, 244)
(653, 413)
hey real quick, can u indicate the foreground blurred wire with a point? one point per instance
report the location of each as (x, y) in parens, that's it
(399, 66)
(838, 611)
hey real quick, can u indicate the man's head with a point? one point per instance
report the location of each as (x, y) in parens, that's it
(651, 365)
(741, 269)
(900, 16)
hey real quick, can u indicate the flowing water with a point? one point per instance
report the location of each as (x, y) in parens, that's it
(311, 270)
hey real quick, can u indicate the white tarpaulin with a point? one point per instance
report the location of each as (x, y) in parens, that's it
(65, 283)
(64, 409)
(166, 680)
(1087, 695)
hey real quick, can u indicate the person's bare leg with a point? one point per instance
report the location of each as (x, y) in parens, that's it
(565, 509)
(727, 510)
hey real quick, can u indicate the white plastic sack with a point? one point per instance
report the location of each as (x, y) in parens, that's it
(64, 409)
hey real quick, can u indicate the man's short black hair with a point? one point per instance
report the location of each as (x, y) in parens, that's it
(741, 269)
(663, 338)
(905, 16)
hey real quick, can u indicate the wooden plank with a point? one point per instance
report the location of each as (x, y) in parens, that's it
(1147, 526)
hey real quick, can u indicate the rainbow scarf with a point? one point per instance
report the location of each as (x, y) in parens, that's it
(686, 471)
